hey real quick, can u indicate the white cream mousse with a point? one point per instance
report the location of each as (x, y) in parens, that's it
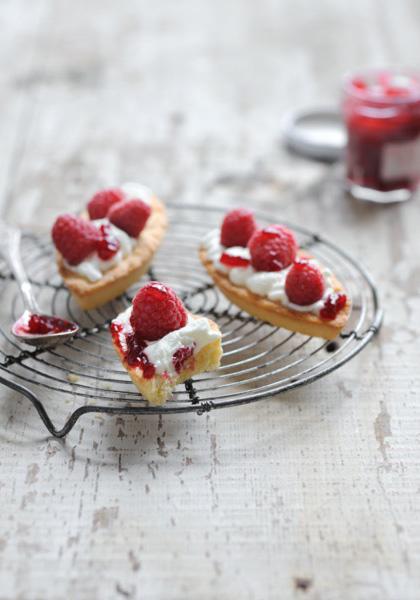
(268, 284)
(132, 191)
(196, 334)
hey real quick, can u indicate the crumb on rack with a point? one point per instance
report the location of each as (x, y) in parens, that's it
(72, 378)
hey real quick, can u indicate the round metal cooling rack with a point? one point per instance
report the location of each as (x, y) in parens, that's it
(259, 360)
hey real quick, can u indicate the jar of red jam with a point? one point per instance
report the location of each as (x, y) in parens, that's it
(382, 115)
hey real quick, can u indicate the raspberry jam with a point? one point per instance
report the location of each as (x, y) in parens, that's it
(34, 324)
(332, 306)
(107, 245)
(382, 115)
(234, 261)
(181, 356)
(133, 354)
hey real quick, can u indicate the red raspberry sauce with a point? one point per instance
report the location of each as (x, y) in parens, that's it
(107, 245)
(181, 356)
(332, 306)
(43, 324)
(134, 354)
(234, 261)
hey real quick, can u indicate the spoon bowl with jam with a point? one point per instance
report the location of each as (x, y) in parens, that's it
(33, 327)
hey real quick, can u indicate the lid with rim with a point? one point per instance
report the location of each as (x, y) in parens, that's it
(316, 133)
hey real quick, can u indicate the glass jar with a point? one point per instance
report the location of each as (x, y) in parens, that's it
(382, 114)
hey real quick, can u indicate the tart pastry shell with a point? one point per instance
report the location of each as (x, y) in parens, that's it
(273, 312)
(91, 294)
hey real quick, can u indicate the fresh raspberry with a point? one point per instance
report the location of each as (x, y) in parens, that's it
(332, 306)
(130, 216)
(237, 228)
(74, 238)
(272, 248)
(157, 311)
(304, 283)
(102, 201)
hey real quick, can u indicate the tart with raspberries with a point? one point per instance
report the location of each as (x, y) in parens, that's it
(103, 252)
(160, 344)
(263, 272)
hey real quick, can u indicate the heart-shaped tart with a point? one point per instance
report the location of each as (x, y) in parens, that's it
(106, 250)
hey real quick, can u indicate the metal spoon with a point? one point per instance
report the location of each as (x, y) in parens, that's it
(10, 249)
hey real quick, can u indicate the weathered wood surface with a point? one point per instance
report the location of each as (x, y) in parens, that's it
(314, 494)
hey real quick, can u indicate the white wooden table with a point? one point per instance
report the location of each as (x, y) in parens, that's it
(314, 494)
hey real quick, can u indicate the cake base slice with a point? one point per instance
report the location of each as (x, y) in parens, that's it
(91, 294)
(273, 312)
(158, 389)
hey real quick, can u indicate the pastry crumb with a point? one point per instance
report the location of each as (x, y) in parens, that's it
(72, 378)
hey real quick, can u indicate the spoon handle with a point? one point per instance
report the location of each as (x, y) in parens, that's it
(10, 250)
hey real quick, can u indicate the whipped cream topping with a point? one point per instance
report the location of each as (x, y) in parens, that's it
(196, 334)
(123, 319)
(93, 266)
(133, 190)
(269, 284)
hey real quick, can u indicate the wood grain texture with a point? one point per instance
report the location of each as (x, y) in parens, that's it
(314, 494)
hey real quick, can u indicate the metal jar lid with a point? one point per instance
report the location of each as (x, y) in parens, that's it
(318, 133)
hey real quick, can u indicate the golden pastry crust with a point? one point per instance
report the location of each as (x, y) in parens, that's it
(275, 313)
(91, 294)
(158, 389)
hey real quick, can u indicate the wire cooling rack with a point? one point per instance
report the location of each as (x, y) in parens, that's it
(85, 376)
